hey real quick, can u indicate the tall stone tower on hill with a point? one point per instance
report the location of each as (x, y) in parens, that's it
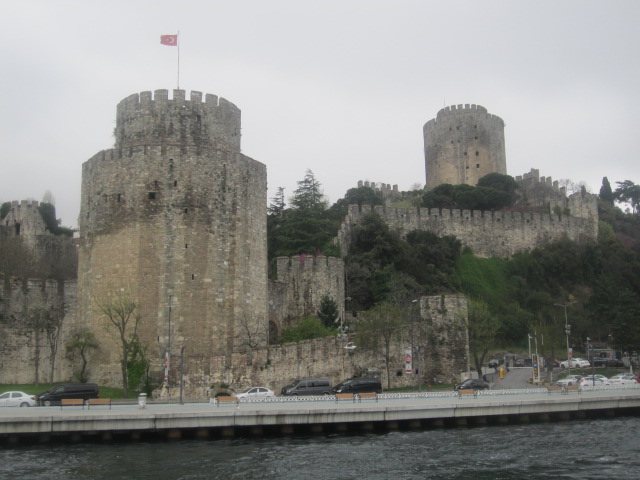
(463, 144)
(174, 217)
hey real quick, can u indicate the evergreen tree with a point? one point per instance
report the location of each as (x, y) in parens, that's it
(606, 194)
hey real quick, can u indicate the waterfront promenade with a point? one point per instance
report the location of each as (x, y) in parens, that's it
(299, 415)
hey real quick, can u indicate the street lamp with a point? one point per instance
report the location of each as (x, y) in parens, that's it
(567, 330)
(590, 357)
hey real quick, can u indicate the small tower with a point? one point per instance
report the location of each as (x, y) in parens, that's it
(463, 144)
(175, 216)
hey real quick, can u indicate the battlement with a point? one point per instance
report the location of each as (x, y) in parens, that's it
(380, 187)
(455, 111)
(488, 233)
(296, 264)
(24, 203)
(533, 178)
(154, 119)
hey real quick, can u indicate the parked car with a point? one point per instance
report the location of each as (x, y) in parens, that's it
(493, 363)
(575, 363)
(569, 380)
(17, 399)
(607, 362)
(256, 392)
(474, 383)
(84, 391)
(308, 386)
(622, 379)
(594, 381)
(518, 362)
(359, 385)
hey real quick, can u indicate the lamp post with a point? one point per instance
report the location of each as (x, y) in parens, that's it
(567, 330)
(590, 357)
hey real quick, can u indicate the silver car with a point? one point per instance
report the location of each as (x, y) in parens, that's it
(17, 399)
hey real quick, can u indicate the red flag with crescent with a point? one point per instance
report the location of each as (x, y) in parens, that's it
(171, 40)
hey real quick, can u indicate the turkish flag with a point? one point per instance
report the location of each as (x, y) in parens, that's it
(171, 40)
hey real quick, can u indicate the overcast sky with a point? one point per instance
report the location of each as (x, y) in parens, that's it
(339, 87)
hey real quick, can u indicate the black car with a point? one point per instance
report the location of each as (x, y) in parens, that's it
(607, 362)
(473, 383)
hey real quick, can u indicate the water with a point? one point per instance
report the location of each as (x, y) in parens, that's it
(589, 449)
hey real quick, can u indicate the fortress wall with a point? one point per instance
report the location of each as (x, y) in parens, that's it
(302, 282)
(446, 356)
(20, 338)
(447, 352)
(488, 234)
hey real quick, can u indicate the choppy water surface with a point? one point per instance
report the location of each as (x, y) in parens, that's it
(602, 449)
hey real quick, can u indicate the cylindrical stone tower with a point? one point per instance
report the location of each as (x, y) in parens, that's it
(463, 144)
(174, 216)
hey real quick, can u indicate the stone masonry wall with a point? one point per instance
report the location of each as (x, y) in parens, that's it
(488, 234)
(20, 341)
(302, 282)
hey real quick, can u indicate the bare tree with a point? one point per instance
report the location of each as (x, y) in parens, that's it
(52, 328)
(121, 313)
(82, 343)
(378, 329)
(482, 326)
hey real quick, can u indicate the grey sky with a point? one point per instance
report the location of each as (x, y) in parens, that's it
(340, 87)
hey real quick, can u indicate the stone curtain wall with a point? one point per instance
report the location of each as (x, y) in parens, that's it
(463, 144)
(447, 352)
(302, 282)
(175, 215)
(445, 357)
(18, 344)
(488, 234)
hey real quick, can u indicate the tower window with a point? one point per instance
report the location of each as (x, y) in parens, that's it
(119, 197)
(477, 153)
(152, 195)
(175, 183)
(155, 183)
(477, 165)
(467, 167)
(193, 276)
(465, 154)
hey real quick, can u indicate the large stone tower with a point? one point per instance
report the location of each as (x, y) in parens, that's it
(463, 144)
(174, 218)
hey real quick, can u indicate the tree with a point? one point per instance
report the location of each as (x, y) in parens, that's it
(52, 329)
(482, 328)
(377, 330)
(82, 343)
(121, 313)
(628, 192)
(606, 194)
(328, 312)
(278, 205)
(138, 366)
(308, 195)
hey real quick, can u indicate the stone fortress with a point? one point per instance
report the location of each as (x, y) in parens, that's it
(174, 218)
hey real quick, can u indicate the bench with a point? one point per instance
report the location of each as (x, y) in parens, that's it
(555, 388)
(227, 399)
(345, 396)
(465, 392)
(572, 388)
(71, 402)
(99, 401)
(368, 396)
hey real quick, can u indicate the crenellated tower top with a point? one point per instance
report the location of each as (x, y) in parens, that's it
(155, 119)
(463, 144)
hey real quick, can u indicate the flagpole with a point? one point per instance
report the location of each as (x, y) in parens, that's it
(178, 42)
